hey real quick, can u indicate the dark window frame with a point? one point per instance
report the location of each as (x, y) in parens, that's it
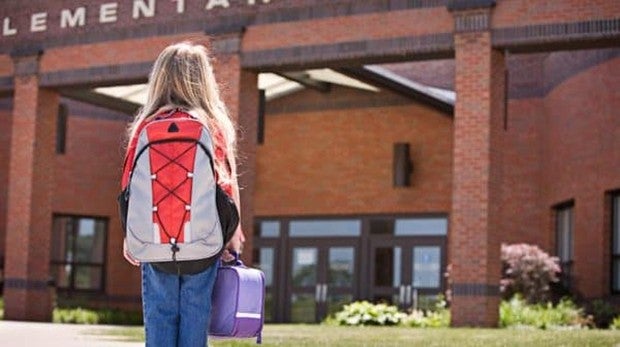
(565, 265)
(614, 223)
(71, 288)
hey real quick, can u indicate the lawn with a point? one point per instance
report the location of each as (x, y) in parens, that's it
(319, 335)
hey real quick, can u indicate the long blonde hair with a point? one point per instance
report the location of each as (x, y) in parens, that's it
(182, 77)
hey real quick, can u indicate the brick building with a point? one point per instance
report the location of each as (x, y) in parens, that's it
(380, 141)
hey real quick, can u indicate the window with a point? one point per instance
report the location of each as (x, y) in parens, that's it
(325, 228)
(418, 226)
(266, 228)
(421, 227)
(564, 240)
(615, 251)
(78, 252)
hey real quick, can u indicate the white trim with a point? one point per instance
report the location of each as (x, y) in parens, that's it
(156, 235)
(443, 95)
(187, 233)
(248, 315)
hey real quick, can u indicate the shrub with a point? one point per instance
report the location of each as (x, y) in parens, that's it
(438, 317)
(77, 316)
(88, 316)
(615, 324)
(365, 313)
(516, 312)
(529, 271)
(602, 312)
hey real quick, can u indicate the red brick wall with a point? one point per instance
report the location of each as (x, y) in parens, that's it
(29, 202)
(523, 216)
(476, 214)
(582, 161)
(5, 141)
(111, 53)
(340, 161)
(530, 12)
(436, 73)
(349, 28)
(87, 183)
(6, 65)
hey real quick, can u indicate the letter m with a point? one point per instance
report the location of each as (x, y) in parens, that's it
(77, 18)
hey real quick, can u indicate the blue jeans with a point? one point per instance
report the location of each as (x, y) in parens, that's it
(176, 308)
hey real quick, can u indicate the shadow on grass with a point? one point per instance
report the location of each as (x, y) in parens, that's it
(320, 335)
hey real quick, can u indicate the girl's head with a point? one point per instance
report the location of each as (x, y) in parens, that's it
(182, 76)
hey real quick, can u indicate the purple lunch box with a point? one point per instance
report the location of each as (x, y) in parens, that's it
(237, 302)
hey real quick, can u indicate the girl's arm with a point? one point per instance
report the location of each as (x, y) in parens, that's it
(238, 238)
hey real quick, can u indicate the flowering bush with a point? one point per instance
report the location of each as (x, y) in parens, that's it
(438, 317)
(517, 313)
(615, 324)
(365, 313)
(528, 270)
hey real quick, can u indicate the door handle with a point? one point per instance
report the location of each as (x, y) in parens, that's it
(324, 297)
(414, 296)
(401, 295)
(408, 295)
(317, 293)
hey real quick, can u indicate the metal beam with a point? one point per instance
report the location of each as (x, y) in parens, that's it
(304, 79)
(90, 97)
(383, 82)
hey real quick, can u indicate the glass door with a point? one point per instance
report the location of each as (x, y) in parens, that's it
(386, 269)
(266, 257)
(322, 266)
(305, 288)
(406, 271)
(323, 279)
(338, 289)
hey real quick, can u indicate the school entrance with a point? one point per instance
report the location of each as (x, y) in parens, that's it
(314, 266)
(53, 50)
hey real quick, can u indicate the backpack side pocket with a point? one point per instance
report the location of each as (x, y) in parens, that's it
(123, 205)
(228, 214)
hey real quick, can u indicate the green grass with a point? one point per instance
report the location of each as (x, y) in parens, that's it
(321, 335)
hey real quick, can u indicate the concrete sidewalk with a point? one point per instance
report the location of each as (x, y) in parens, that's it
(28, 334)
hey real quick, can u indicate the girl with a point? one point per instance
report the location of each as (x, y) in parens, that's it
(177, 307)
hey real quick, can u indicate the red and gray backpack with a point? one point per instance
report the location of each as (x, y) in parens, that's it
(174, 213)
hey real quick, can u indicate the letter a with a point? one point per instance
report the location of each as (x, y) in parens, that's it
(212, 3)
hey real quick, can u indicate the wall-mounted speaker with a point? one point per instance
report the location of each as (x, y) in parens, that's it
(61, 128)
(403, 166)
(262, 103)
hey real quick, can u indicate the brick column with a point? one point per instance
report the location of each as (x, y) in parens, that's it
(240, 92)
(27, 295)
(474, 242)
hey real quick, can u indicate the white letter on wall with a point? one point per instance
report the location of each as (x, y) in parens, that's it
(141, 8)
(212, 3)
(78, 18)
(107, 12)
(180, 6)
(38, 22)
(6, 28)
(253, 2)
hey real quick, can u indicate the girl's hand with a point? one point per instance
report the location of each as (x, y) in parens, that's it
(127, 256)
(235, 244)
